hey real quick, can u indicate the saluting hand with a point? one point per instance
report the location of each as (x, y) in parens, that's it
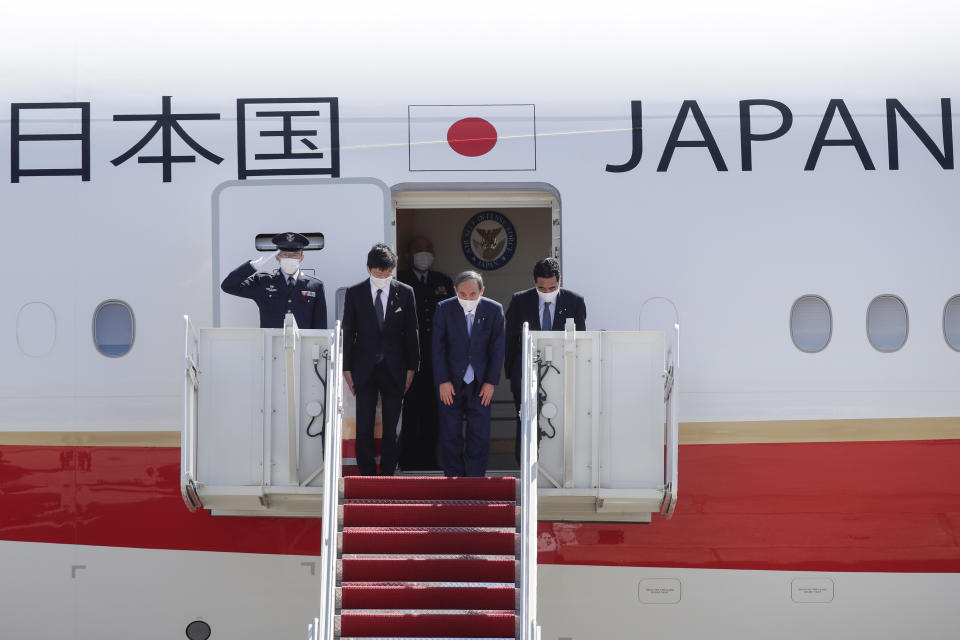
(406, 387)
(486, 394)
(446, 393)
(262, 260)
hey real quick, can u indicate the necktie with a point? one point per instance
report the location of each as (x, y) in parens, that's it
(378, 306)
(290, 282)
(468, 376)
(545, 323)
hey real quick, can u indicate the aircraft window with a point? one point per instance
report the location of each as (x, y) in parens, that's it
(36, 329)
(951, 322)
(113, 328)
(811, 324)
(887, 323)
(264, 242)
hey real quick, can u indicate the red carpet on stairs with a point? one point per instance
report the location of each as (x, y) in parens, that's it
(428, 557)
(428, 569)
(377, 596)
(427, 514)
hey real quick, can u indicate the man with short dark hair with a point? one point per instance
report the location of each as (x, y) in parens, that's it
(545, 307)
(284, 291)
(418, 435)
(467, 355)
(381, 352)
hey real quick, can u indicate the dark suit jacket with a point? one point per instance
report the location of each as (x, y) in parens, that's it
(437, 288)
(525, 307)
(363, 340)
(453, 350)
(274, 298)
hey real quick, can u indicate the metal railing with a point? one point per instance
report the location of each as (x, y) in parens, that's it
(529, 630)
(322, 627)
(188, 434)
(672, 400)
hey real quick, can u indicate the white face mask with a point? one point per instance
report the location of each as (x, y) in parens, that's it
(289, 265)
(548, 297)
(469, 306)
(380, 283)
(422, 260)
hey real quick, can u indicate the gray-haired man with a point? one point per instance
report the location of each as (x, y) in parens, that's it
(468, 347)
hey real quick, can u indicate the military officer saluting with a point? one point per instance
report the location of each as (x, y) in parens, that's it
(281, 292)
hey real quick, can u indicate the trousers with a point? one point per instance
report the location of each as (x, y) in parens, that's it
(455, 458)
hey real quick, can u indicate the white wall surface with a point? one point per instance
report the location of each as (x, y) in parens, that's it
(732, 249)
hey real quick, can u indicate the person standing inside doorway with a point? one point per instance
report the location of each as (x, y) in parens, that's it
(381, 353)
(468, 348)
(418, 435)
(546, 307)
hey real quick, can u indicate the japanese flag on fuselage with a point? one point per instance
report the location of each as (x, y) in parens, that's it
(483, 137)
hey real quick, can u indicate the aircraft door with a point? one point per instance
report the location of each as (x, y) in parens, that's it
(348, 214)
(500, 230)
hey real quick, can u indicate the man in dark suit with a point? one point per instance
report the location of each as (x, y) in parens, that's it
(546, 307)
(381, 352)
(418, 436)
(467, 355)
(284, 291)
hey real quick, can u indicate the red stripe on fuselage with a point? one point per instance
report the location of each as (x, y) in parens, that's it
(850, 506)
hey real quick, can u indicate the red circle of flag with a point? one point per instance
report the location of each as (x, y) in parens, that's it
(472, 137)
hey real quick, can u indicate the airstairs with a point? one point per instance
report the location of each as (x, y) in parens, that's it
(429, 557)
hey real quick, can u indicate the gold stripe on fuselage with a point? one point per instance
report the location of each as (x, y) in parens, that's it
(90, 438)
(852, 430)
(750, 432)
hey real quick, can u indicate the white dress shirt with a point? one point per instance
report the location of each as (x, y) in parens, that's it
(553, 311)
(383, 297)
(469, 373)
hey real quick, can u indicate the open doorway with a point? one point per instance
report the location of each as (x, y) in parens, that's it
(500, 231)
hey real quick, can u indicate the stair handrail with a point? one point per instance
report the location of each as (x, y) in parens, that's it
(188, 432)
(529, 630)
(323, 627)
(672, 401)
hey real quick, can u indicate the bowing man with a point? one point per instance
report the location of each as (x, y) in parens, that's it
(546, 307)
(381, 353)
(468, 337)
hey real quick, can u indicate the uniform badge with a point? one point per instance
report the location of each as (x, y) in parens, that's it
(289, 237)
(309, 294)
(272, 289)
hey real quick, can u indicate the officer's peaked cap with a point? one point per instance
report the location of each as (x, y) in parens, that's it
(290, 241)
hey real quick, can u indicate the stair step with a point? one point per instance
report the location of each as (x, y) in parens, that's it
(462, 514)
(432, 625)
(428, 569)
(428, 487)
(440, 540)
(353, 596)
(458, 584)
(418, 501)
